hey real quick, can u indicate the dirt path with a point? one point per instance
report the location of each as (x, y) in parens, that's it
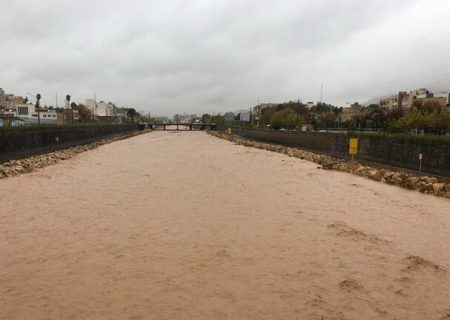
(188, 226)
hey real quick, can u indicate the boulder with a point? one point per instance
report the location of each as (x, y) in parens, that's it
(327, 163)
(430, 180)
(375, 174)
(412, 183)
(424, 187)
(438, 188)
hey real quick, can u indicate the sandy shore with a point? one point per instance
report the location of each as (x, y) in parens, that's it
(172, 225)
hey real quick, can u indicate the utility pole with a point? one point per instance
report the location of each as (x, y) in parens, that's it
(321, 99)
(95, 107)
(321, 92)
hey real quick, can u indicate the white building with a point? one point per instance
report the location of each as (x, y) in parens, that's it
(445, 95)
(29, 114)
(100, 108)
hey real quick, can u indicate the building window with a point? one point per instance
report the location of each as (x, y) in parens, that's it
(23, 111)
(45, 116)
(34, 115)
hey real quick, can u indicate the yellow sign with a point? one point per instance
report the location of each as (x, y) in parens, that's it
(353, 146)
(229, 130)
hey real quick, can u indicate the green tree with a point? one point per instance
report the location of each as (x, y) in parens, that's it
(84, 113)
(327, 119)
(206, 118)
(376, 116)
(285, 118)
(218, 119)
(266, 114)
(426, 107)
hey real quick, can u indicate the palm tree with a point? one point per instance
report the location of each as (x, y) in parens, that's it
(38, 107)
(131, 112)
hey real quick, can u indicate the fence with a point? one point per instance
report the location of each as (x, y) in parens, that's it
(25, 141)
(396, 151)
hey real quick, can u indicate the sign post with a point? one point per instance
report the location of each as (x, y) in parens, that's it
(353, 147)
(420, 161)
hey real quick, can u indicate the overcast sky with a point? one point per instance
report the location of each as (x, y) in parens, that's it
(200, 56)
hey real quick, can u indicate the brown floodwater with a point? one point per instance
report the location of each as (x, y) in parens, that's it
(183, 225)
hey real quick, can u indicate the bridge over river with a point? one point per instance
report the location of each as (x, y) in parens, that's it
(181, 126)
(183, 225)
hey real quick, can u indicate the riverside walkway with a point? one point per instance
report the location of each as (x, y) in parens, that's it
(183, 225)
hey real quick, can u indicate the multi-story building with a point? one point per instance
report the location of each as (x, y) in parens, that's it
(2, 99)
(100, 108)
(404, 101)
(445, 96)
(389, 103)
(164, 120)
(349, 111)
(184, 118)
(16, 100)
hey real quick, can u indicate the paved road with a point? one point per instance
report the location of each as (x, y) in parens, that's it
(182, 225)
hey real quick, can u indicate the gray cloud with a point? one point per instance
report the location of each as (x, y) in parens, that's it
(202, 56)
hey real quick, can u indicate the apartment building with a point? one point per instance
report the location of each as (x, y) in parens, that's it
(101, 108)
(350, 110)
(2, 99)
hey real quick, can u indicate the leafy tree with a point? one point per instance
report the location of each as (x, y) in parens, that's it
(218, 119)
(266, 114)
(413, 120)
(83, 112)
(327, 119)
(376, 116)
(426, 107)
(322, 108)
(206, 118)
(285, 118)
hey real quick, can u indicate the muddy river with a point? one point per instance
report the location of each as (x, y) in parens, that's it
(183, 225)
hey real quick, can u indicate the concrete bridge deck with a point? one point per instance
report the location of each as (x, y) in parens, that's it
(173, 225)
(181, 126)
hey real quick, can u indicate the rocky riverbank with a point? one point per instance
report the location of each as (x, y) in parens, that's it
(33, 163)
(424, 184)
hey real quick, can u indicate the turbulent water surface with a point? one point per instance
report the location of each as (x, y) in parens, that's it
(171, 225)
